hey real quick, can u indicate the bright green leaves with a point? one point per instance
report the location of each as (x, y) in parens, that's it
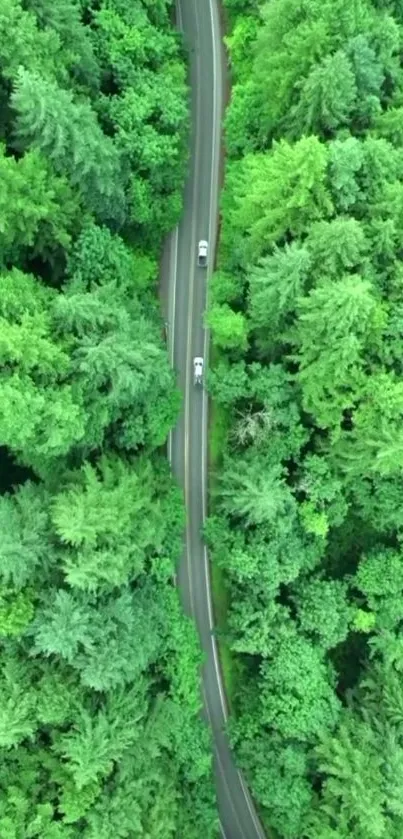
(274, 195)
(75, 803)
(229, 328)
(28, 345)
(338, 322)
(35, 205)
(353, 763)
(282, 778)
(50, 421)
(26, 339)
(336, 246)
(129, 41)
(104, 520)
(375, 443)
(106, 526)
(100, 258)
(369, 72)
(380, 578)
(227, 383)
(322, 499)
(98, 741)
(87, 512)
(240, 42)
(22, 297)
(297, 696)
(324, 612)
(24, 43)
(16, 611)
(59, 694)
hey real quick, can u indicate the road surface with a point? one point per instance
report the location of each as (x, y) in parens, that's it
(184, 289)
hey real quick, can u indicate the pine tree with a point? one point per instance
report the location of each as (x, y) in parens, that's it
(69, 135)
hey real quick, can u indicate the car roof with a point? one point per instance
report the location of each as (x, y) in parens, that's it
(197, 360)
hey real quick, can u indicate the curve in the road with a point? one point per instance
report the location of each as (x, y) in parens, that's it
(185, 287)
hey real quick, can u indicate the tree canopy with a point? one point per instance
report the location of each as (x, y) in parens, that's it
(305, 530)
(100, 728)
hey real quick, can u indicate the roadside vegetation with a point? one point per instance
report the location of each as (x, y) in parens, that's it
(306, 313)
(100, 734)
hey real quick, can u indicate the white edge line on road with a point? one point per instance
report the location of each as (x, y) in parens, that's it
(213, 178)
(251, 808)
(222, 773)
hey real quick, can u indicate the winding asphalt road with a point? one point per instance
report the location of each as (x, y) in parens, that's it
(184, 288)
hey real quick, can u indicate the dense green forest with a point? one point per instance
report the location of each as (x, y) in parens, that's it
(100, 734)
(306, 312)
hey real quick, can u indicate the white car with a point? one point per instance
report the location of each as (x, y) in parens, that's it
(198, 370)
(202, 253)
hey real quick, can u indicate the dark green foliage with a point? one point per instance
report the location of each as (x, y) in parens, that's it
(64, 19)
(68, 134)
(148, 114)
(307, 525)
